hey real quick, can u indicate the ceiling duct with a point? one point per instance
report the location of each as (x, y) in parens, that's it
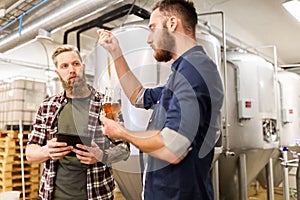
(61, 14)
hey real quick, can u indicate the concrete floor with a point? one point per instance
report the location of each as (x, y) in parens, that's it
(261, 193)
(118, 195)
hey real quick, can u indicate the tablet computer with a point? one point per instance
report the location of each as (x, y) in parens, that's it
(72, 139)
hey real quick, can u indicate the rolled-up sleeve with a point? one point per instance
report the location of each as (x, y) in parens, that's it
(175, 142)
(148, 97)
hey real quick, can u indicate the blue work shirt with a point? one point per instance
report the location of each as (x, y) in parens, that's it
(189, 104)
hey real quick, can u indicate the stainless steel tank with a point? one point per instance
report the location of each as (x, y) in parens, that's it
(252, 132)
(289, 128)
(289, 90)
(139, 55)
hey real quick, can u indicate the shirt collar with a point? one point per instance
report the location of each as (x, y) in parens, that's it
(179, 59)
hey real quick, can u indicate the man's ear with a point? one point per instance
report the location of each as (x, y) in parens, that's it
(172, 23)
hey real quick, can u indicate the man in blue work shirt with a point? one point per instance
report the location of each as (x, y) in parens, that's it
(182, 131)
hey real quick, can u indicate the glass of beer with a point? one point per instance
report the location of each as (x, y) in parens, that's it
(111, 104)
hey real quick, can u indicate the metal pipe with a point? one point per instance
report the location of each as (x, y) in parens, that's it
(30, 65)
(215, 173)
(20, 136)
(290, 65)
(277, 96)
(70, 10)
(286, 164)
(14, 6)
(243, 188)
(285, 174)
(298, 179)
(224, 41)
(106, 18)
(22, 15)
(270, 179)
(289, 164)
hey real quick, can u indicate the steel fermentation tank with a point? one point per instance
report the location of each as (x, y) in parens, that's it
(289, 126)
(289, 90)
(252, 135)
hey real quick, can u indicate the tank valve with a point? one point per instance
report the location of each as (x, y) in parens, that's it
(229, 153)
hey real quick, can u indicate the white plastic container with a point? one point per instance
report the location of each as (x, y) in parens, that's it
(11, 195)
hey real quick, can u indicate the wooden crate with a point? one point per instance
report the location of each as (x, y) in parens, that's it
(11, 168)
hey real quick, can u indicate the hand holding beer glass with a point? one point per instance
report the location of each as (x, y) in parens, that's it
(111, 104)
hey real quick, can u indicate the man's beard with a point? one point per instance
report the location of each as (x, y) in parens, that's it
(74, 88)
(165, 47)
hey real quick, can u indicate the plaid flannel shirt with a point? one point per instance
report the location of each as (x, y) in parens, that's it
(100, 183)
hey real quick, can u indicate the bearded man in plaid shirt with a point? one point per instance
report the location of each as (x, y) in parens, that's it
(83, 171)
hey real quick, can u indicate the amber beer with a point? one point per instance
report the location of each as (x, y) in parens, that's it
(111, 110)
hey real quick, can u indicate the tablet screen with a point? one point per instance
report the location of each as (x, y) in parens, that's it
(72, 139)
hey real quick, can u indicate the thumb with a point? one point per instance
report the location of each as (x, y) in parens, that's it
(103, 119)
(93, 144)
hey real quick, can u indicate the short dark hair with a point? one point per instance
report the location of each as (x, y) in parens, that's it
(184, 9)
(62, 49)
